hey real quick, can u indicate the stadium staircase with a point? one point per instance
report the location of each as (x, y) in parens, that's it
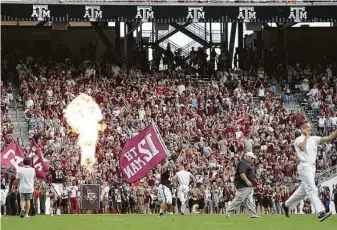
(201, 37)
(296, 104)
(20, 125)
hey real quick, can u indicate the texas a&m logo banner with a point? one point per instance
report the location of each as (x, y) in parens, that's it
(169, 13)
(142, 153)
(90, 196)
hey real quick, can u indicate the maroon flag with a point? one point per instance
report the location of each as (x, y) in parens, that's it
(142, 153)
(38, 162)
(12, 155)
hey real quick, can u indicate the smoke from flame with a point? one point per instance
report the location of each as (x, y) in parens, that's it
(83, 116)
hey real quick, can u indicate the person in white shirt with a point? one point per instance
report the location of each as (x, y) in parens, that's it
(141, 113)
(29, 103)
(181, 88)
(90, 72)
(306, 148)
(261, 93)
(73, 198)
(105, 198)
(208, 200)
(26, 176)
(184, 178)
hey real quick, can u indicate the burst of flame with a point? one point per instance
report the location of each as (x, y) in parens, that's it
(83, 115)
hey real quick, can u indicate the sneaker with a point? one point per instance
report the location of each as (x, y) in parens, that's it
(323, 215)
(26, 216)
(285, 209)
(22, 214)
(182, 213)
(161, 214)
(254, 217)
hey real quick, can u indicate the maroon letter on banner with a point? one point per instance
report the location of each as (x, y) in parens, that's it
(141, 154)
(12, 155)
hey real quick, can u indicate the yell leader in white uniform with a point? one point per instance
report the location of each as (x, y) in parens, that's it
(184, 178)
(26, 176)
(306, 149)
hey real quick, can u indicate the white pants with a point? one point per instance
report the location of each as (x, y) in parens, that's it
(3, 196)
(164, 194)
(307, 188)
(243, 195)
(183, 193)
(57, 190)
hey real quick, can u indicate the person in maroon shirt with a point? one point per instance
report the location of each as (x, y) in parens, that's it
(267, 202)
(259, 197)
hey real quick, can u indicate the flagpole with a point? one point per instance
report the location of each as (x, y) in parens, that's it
(160, 138)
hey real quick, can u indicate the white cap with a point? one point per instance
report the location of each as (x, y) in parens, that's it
(251, 154)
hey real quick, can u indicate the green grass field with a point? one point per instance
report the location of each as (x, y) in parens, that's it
(170, 222)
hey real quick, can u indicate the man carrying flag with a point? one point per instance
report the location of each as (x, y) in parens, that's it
(164, 189)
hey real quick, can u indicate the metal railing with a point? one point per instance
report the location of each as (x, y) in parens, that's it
(326, 174)
(199, 31)
(174, 47)
(194, 28)
(304, 110)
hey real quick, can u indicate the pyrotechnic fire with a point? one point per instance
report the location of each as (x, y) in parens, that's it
(83, 115)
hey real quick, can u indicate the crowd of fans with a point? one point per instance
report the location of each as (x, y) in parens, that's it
(318, 97)
(206, 126)
(6, 102)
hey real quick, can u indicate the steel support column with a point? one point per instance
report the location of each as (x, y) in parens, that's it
(281, 44)
(118, 38)
(224, 35)
(129, 43)
(260, 45)
(232, 39)
(240, 44)
(210, 33)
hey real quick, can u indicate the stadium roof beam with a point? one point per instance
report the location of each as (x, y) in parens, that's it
(109, 46)
(168, 35)
(265, 25)
(287, 25)
(42, 23)
(190, 34)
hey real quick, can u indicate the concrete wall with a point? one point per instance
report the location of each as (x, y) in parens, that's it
(32, 38)
(306, 43)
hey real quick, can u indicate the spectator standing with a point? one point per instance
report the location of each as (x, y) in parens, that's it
(104, 198)
(140, 198)
(73, 198)
(43, 196)
(335, 196)
(26, 176)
